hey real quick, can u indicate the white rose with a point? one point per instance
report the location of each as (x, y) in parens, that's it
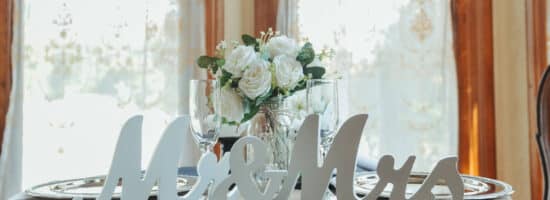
(297, 103)
(256, 80)
(282, 45)
(288, 71)
(238, 59)
(231, 105)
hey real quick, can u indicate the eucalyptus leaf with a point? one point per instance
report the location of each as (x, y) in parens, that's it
(251, 109)
(226, 76)
(308, 45)
(251, 112)
(306, 55)
(205, 61)
(248, 40)
(219, 62)
(300, 86)
(315, 72)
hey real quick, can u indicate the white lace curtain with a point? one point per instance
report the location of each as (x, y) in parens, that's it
(397, 64)
(86, 67)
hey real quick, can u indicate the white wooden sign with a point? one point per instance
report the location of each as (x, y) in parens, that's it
(216, 177)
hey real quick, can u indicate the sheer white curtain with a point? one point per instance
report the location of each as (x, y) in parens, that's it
(87, 66)
(397, 64)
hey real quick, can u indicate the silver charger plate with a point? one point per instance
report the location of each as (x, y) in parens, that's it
(90, 188)
(474, 187)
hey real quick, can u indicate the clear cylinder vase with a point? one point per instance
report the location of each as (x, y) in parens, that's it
(273, 125)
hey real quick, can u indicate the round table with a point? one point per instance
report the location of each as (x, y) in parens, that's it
(192, 171)
(294, 196)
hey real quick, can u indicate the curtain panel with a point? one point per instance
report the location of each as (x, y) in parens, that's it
(396, 63)
(81, 69)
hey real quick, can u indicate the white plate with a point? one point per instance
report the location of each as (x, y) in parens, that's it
(91, 188)
(474, 187)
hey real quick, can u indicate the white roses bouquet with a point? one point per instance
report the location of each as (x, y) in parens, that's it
(272, 66)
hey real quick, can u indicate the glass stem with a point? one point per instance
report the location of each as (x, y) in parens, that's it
(205, 148)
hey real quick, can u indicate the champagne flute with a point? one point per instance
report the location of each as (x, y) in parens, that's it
(204, 108)
(322, 99)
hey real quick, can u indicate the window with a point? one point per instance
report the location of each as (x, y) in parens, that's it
(88, 67)
(397, 63)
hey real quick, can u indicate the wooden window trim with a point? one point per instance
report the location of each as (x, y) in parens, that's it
(5, 61)
(536, 64)
(214, 28)
(265, 15)
(214, 33)
(472, 21)
(473, 43)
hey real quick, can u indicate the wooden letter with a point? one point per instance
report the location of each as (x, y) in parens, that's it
(342, 157)
(163, 167)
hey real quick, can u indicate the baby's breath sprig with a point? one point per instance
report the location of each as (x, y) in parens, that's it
(220, 48)
(235, 44)
(265, 36)
(326, 53)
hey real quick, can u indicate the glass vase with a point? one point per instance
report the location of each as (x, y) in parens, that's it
(273, 125)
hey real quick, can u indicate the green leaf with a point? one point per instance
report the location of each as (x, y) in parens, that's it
(211, 63)
(205, 61)
(264, 97)
(226, 121)
(214, 69)
(316, 72)
(306, 55)
(253, 109)
(307, 45)
(300, 86)
(248, 40)
(226, 76)
(220, 62)
(217, 64)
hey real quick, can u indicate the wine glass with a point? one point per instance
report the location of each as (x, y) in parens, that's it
(204, 108)
(322, 99)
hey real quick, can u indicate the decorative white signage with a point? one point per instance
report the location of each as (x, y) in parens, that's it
(217, 178)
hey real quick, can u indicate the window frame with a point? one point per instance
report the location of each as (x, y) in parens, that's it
(537, 63)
